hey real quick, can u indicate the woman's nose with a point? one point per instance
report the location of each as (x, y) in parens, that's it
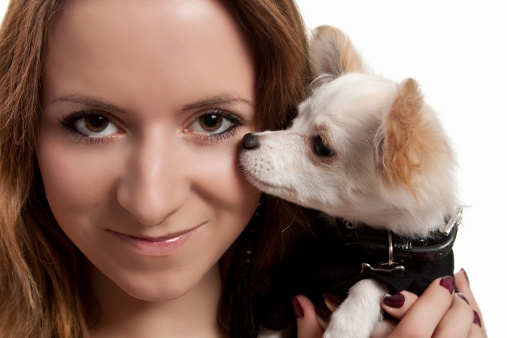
(153, 184)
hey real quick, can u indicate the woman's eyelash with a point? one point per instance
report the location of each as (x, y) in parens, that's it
(69, 123)
(224, 113)
(236, 122)
(215, 138)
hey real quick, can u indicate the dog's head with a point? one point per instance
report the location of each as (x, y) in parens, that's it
(363, 147)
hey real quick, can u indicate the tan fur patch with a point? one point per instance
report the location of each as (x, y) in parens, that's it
(409, 140)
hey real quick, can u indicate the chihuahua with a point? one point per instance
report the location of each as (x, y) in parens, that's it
(364, 149)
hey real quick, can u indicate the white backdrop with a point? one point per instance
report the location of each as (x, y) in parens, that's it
(456, 50)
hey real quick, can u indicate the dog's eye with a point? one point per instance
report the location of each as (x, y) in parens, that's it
(320, 148)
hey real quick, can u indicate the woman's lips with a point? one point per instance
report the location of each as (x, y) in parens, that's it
(156, 246)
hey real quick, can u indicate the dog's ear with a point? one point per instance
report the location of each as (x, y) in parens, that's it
(405, 140)
(332, 53)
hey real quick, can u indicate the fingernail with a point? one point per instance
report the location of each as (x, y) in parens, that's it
(325, 314)
(477, 319)
(395, 301)
(448, 283)
(298, 309)
(336, 300)
(462, 296)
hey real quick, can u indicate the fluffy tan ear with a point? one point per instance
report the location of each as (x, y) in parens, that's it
(408, 139)
(332, 53)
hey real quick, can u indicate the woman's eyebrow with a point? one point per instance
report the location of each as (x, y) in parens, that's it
(100, 104)
(90, 101)
(218, 100)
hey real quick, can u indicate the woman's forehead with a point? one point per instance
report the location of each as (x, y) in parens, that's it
(153, 45)
(130, 25)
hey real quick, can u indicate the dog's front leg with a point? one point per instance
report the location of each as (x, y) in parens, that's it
(357, 316)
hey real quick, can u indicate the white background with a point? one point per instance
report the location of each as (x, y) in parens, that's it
(456, 50)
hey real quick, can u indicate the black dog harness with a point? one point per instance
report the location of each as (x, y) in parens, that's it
(343, 254)
(374, 242)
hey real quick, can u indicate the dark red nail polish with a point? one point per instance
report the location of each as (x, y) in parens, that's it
(462, 296)
(336, 300)
(298, 309)
(477, 319)
(395, 301)
(448, 283)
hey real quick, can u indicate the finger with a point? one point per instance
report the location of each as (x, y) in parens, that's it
(463, 286)
(332, 301)
(476, 332)
(308, 325)
(398, 304)
(383, 329)
(457, 321)
(425, 314)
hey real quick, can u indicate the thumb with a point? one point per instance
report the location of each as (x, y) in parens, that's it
(307, 324)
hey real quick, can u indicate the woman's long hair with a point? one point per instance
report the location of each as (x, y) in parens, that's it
(41, 272)
(37, 276)
(278, 38)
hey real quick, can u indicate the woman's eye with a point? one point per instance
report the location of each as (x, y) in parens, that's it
(215, 122)
(95, 125)
(90, 125)
(211, 124)
(214, 125)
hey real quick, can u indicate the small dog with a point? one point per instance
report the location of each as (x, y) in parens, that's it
(367, 150)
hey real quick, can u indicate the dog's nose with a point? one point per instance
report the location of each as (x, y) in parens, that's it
(250, 141)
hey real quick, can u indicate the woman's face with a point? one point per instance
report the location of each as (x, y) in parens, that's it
(145, 104)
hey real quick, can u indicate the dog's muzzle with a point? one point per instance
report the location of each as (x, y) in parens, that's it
(250, 141)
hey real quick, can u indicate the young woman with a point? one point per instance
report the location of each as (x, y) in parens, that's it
(123, 209)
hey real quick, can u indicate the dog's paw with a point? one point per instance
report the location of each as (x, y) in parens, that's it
(339, 328)
(357, 316)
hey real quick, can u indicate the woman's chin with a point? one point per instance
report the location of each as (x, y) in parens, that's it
(156, 292)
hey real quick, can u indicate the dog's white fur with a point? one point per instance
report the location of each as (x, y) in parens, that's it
(389, 163)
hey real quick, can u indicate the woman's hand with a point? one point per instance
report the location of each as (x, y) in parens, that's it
(439, 312)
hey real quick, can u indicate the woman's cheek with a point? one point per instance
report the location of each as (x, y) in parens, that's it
(75, 179)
